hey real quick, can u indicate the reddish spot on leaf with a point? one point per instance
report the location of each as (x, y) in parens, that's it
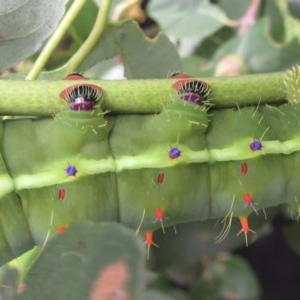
(160, 178)
(61, 229)
(244, 168)
(111, 283)
(61, 194)
(21, 288)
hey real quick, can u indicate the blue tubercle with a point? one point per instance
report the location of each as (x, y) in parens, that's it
(174, 152)
(71, 170)
(256, 145)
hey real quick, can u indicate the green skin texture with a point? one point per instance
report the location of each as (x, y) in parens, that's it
(118, 159)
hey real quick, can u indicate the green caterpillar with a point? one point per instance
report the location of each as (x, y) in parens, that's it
(188, 163)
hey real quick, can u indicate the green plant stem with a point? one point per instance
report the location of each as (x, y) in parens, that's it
(41, 98)
(95, 35)
(55, 39)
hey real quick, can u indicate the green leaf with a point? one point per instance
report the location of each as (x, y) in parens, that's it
(277, 20)
(88, 261)
(169, 294)
(84, 22)
(234, 9)
(282, 27)
(226, 277)
(24, 25)
(142, 57)
(192, 18)
(258, 51)
(9, 278)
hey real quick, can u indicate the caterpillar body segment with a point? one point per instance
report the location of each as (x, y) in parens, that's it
(37, 153)
(119, 158)
(144, 153)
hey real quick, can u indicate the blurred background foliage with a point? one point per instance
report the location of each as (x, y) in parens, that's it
(151, 39)
(226, 37)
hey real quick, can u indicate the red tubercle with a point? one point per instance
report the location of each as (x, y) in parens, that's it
(159, 214)
(160, 217)
(160, 178)
(248, 199)
(61, 229)
(61, 194)
(244, 168)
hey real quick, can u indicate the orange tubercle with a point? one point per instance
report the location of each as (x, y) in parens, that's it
(245, 228)
(149, 241)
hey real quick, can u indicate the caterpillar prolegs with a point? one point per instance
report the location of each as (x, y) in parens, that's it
(186, 162)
